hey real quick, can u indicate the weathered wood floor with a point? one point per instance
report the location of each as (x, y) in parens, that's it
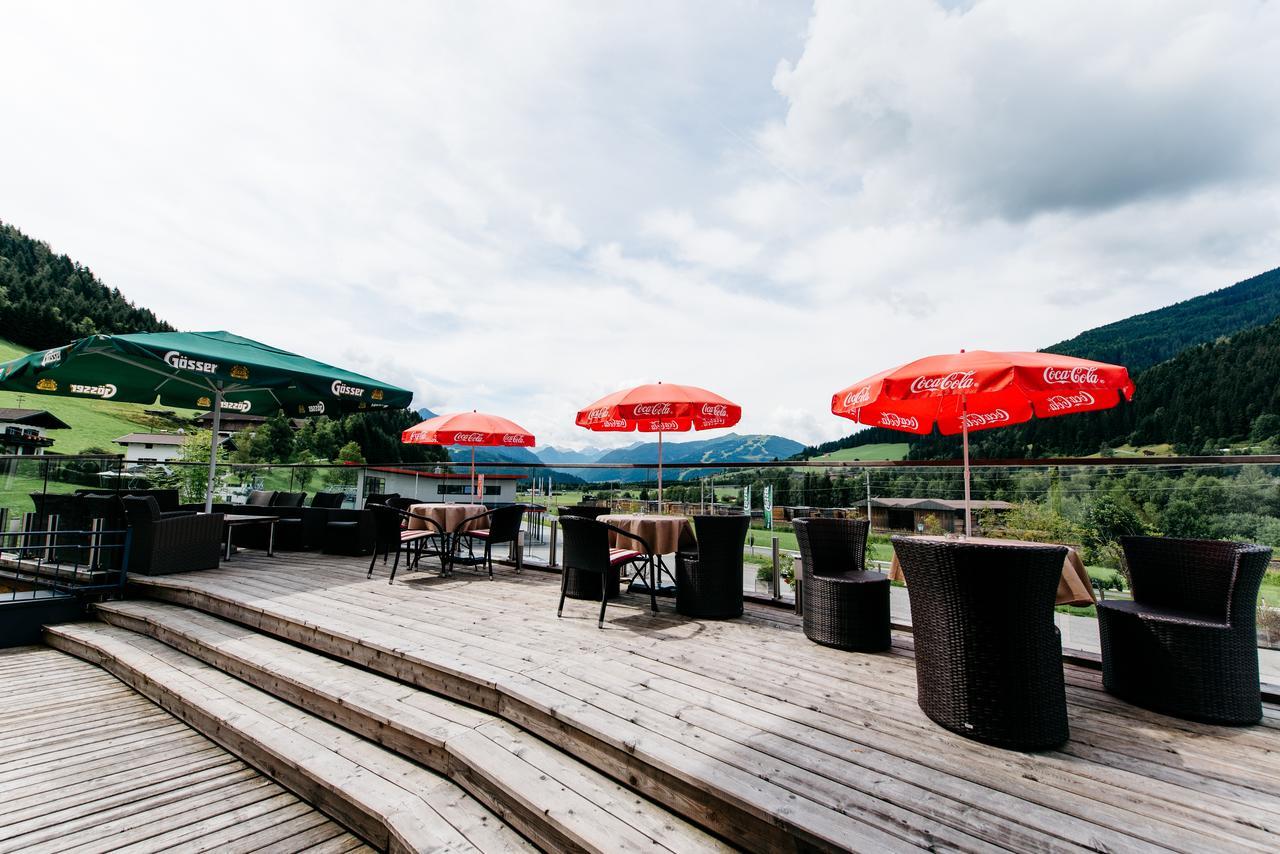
(88, 765)
(749, 729)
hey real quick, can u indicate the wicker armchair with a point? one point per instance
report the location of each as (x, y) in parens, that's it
(503, 526)
(709, 582)
(843, 605)
(585, 511)
(176, 544)
(1187, 644)
(988, 655)
(587, 555)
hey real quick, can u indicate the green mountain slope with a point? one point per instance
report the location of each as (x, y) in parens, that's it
(1144, 340)
(1204, 368)
(47, 299)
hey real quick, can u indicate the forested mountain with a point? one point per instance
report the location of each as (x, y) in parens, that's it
(1216, 370)
(1144, 340)
(552, 455)
(47, 300)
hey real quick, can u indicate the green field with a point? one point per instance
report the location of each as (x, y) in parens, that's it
(94, 423)
(884, 451)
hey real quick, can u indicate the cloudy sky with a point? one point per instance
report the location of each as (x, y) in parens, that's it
(521, 207)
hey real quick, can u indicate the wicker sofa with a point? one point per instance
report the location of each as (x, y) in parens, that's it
(162, 544)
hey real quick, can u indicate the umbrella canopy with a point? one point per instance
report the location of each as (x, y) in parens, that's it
(978, 390)
(469, 428)
(199, 370)
(660, 408)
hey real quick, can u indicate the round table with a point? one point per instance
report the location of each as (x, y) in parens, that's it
(664, 534)
(448, 516)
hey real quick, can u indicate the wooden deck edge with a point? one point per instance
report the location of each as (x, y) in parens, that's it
(717, 811)
(377, 828)
(531, 810)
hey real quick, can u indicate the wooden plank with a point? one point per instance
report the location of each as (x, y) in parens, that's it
(365, 790)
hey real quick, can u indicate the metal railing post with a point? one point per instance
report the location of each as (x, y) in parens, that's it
(777, 572)
(51, 538)
(95, 543)
(555, 532)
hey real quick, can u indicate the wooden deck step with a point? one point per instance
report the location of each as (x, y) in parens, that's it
(549, 796)
(391, 802)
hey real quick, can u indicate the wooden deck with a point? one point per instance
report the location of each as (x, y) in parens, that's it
(88, 765)
(753, 732)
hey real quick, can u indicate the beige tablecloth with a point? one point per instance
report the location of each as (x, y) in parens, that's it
(1073, 587)
(449, 516)
(664, 534)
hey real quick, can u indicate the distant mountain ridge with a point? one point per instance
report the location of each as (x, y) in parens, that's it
(730, 448)
(1146, 339)
(552, 455)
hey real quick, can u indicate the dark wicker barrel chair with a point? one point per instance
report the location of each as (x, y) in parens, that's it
(709, 581)
(503, 526)
(393, 533)
(163, 544)
(328, 500)
(843, 605)
(587, 555)
(1187, 644)
(988, 655)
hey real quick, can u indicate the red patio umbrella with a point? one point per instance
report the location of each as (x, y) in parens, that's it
(978, 390)
(660, 408)
(469, 428)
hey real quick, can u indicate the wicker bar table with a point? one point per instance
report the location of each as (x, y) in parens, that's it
(1074, 587)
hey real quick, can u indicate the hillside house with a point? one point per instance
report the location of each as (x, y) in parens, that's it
(158, 447)
(22, 431)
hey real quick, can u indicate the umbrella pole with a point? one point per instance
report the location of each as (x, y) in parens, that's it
(473, 474)
(213, 448)
(659, 471)
(964, 429)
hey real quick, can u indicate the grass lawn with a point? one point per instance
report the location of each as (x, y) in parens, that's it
(884, 451)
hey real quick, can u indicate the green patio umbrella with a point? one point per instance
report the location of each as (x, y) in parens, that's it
(199, 370)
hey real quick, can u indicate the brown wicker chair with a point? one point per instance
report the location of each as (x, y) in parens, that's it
(709, 581)
(843, 605)
(988, 656)
(1187, 644)
(502, 525)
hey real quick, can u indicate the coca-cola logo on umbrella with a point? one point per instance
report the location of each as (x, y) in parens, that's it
(645, 410)
(468, 438)
(899, 422)
(954, 381)
(715, 410)
(512, 439)
(856, 398)
(662, 426)
(1072, 376)
(600, 414)
(983, 419)
(1063, 402)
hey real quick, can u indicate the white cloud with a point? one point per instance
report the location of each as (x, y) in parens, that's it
(521, 207)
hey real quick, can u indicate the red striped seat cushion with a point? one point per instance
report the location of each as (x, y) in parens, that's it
(617, 556)
(482, 533)
(409, 536)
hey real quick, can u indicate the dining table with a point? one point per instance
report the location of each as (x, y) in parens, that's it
(1074, 585)
(664, 535)
(451, 519)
